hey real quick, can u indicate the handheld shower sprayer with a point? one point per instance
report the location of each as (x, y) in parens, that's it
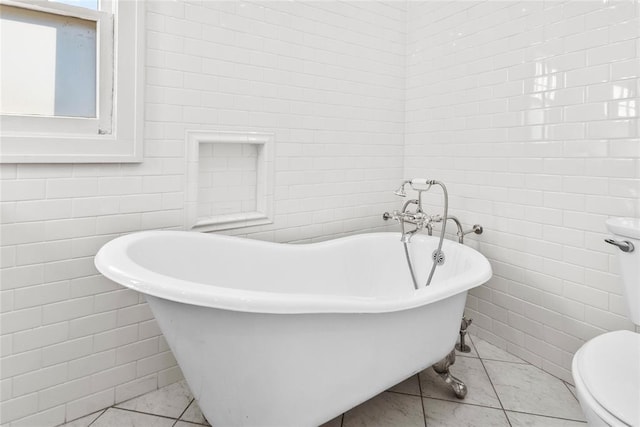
(420, 220)
(416, 184)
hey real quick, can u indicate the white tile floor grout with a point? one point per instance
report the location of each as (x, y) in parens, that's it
(503, 391)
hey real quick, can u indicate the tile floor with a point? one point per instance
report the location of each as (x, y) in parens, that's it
(502, 391)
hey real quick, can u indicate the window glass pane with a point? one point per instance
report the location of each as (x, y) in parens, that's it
(48, 64)
(89, 4)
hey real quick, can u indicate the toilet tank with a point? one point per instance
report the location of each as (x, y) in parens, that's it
(628, 229)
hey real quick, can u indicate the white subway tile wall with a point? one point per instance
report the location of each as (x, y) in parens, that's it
(327, 78)
(227, 179)
(529, 111)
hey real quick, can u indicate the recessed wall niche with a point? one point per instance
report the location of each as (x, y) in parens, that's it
(229, 180)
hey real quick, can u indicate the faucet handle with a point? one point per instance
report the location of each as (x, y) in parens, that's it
(624, 245)
(435, 218)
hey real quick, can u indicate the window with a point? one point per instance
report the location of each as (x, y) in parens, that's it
(71, 81)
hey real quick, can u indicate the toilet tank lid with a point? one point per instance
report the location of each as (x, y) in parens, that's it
(627, 227)
(610, 368)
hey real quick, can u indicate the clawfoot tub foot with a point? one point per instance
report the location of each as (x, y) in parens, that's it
(442, 369)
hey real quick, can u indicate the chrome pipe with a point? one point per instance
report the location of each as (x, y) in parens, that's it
(461, 346)
(477, 229)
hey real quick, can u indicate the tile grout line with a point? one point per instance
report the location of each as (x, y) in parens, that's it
(403, 393)
(424, 411)
(185, 410)
(459, 402)
(491, 382)
(547, 416)
(566, 384)
(144, 413)
(524, 362)
(96, 418)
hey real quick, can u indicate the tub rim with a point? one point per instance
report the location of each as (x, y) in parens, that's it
(112, 261)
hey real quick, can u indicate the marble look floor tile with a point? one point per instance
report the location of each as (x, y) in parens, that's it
(84, 421)
(386, 409)
(441, 413)
(193, 414)
(169, 401)
(525, 388)
(336, 422)
(488, 351)
(113, 417)
(409, 386)
(519, 419)
(186, 424)
(472, 373)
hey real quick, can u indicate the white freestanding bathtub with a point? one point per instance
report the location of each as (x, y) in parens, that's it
(279, 335)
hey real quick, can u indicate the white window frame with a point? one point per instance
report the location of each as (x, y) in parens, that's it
(116, 135)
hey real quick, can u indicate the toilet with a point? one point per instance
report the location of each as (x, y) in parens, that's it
(606, 369)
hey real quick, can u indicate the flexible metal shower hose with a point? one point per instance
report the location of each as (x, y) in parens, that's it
(439, 250)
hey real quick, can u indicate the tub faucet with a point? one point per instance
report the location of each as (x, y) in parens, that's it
(417, 218)
(407, 235)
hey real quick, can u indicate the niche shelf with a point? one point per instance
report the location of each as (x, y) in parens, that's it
(230, 180)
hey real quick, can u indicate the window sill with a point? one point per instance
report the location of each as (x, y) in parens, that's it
(39, 148)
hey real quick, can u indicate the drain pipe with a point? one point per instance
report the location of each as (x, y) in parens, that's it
(463, 331)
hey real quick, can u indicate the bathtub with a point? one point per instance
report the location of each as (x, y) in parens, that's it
(270, 334)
